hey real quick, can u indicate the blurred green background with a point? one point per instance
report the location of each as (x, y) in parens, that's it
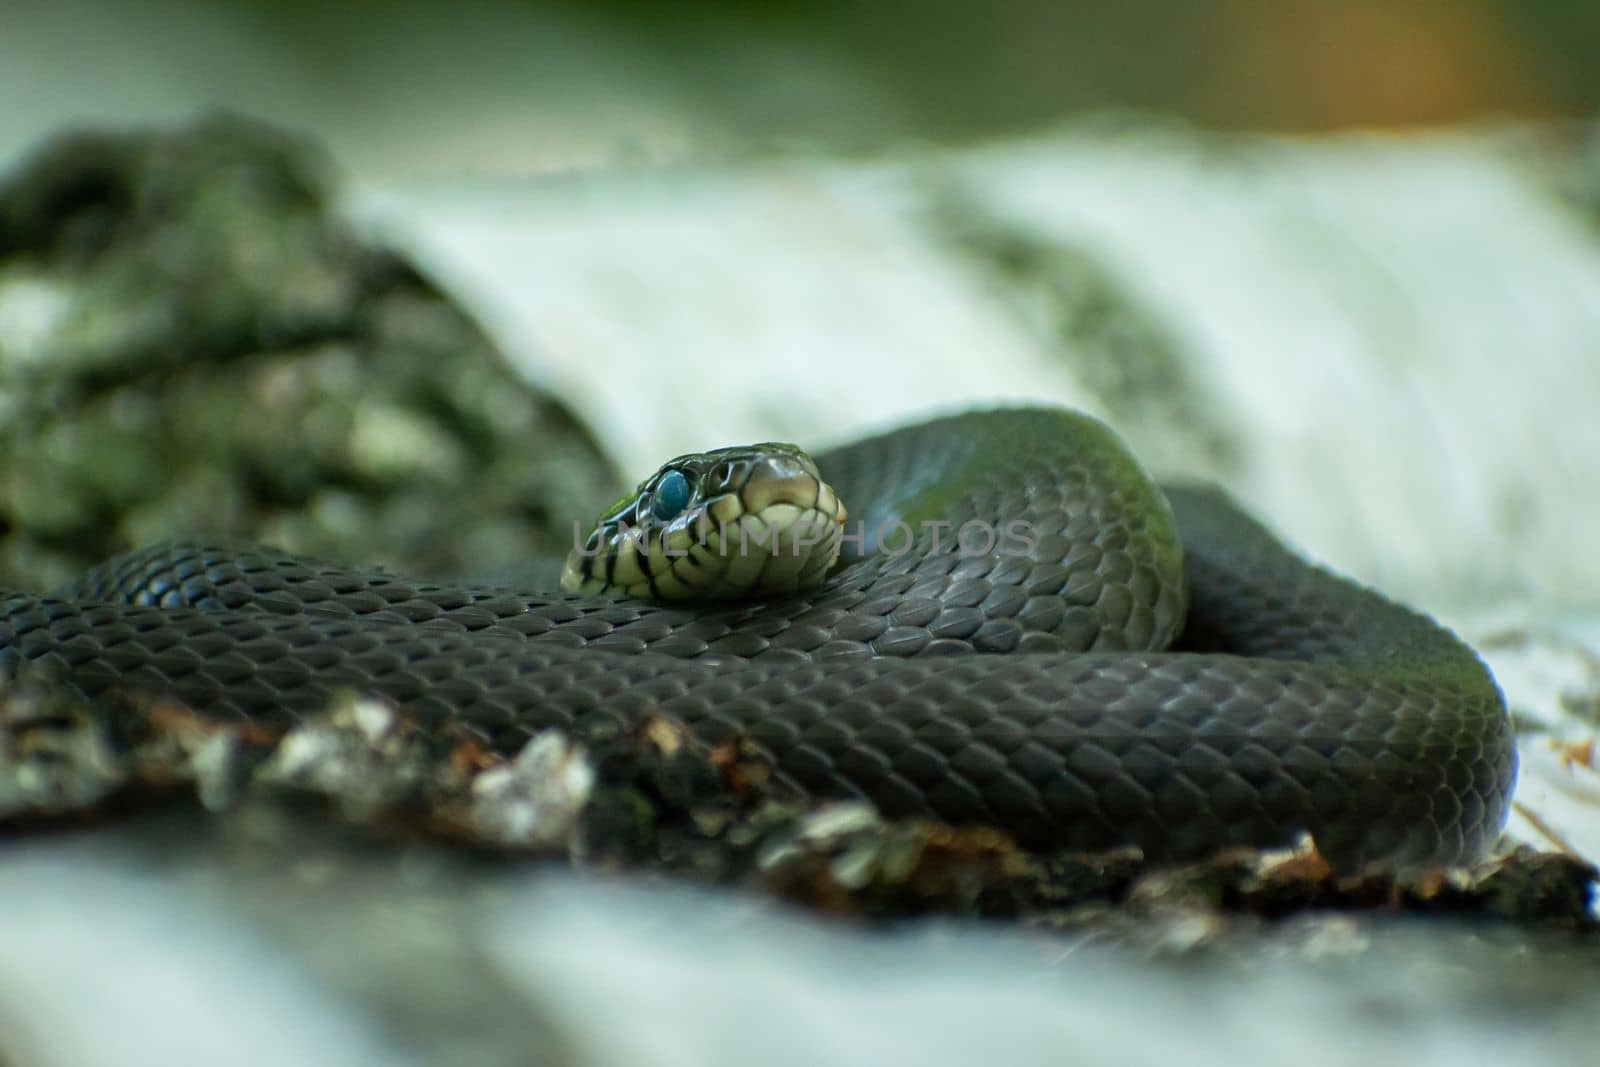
(409, 87)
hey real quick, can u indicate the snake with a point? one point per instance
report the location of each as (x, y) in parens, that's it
(995, 618)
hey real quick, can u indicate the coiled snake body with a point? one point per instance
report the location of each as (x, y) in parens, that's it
(1118, 680)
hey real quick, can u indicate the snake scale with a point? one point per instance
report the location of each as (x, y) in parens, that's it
(1150, 668)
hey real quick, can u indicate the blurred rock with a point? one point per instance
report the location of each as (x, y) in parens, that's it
(193, 342)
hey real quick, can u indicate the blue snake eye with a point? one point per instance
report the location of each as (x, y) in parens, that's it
(671, 497)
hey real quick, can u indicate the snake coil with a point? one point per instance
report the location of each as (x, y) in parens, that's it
(1154, 670)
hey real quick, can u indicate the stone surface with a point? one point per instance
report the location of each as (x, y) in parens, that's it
(181, 941)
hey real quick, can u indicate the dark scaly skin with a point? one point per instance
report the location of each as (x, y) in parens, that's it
(1045, 694)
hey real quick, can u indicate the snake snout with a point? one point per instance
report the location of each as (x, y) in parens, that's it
(788, 479)
(779, 479)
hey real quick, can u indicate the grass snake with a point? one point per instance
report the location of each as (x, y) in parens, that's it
(1140, 666)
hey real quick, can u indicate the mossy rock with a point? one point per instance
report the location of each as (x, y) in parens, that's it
(192, 342)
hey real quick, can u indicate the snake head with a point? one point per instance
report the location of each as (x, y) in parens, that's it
(733, 523)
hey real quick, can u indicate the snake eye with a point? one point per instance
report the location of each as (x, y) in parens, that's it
(670, 497)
